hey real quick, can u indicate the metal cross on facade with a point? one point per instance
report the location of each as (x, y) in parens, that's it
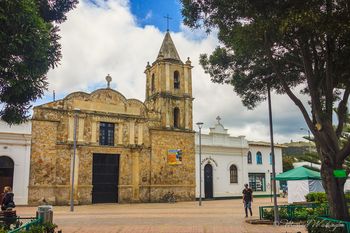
(167, 21)
(218, 118)
(108, 79)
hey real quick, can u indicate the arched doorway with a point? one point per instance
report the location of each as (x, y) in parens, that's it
(208, 181)
(6, 172)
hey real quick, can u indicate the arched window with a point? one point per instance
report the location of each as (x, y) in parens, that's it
(258, 158)
(233, 174)
(153, 83)
(176, 80)
(176, 117)
(249, 157)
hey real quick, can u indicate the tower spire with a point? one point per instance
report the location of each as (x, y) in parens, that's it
(168, 49)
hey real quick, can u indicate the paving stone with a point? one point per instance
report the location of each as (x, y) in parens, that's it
(219, 216)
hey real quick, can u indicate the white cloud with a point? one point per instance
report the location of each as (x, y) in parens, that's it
(148, 15)
(102, 40)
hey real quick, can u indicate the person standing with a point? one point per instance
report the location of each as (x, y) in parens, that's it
(247, 200)
(284, 189)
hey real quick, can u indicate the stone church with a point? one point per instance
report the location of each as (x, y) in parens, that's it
(126, 150)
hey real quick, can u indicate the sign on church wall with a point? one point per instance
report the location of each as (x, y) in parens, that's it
(174, 156)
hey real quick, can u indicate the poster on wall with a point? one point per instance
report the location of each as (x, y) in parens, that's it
(174, 156)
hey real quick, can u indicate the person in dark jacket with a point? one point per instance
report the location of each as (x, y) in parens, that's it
(247, 199)
(7, 199)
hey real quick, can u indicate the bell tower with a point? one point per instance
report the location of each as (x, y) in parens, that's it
(169, 87)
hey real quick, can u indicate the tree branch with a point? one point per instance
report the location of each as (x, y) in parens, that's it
(286, 88)
(329, 78)
(314, 94)
(342, 110)
(345, 152)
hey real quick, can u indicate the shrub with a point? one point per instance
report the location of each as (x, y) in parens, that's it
(318, 197)
(269, 213)
(347, 196)
(299, 213)
(42, 228)
(303, 213)
(283, 213)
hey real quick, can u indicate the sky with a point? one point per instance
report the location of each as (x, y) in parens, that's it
(119, 37)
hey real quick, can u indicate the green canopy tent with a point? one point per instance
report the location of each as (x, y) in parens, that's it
(299, 173)
(300, 182)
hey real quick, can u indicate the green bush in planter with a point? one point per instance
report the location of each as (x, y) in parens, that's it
(268, 214)
(283, 213)
(318, 197)
(42, 228)
(303, 213)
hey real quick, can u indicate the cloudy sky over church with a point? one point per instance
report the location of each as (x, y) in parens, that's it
(119, 37)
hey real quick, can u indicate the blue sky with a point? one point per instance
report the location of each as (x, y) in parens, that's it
(152, 12)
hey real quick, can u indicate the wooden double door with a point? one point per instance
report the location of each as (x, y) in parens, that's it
(105, 176)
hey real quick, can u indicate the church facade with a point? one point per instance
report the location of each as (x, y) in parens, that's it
(126, 150)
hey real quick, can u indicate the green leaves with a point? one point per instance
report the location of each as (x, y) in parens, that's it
(249, 29)
(29, 46)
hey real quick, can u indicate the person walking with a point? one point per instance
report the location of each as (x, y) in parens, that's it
(7, 199)
(285, 191)
(247, 200)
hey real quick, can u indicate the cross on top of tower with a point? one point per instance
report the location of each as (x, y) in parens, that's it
(167, 21)
(218, 118)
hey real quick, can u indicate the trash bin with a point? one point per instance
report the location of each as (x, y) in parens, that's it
(45, 212)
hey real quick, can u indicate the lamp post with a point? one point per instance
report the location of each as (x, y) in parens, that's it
(276, 219)
(200, 124)
(73, 159)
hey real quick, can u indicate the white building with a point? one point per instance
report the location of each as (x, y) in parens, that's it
(15, 143)
(230, 162)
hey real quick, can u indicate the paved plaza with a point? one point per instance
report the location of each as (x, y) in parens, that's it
(222, 216)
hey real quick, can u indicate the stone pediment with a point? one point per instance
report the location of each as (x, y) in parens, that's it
(102, 100)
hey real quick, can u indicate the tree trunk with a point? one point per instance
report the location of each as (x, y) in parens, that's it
(334, 188)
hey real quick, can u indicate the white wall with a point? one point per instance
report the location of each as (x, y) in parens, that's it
(265, 167)
(221, 163)
(15, 143)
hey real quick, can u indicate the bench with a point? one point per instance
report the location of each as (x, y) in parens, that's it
(8, 217)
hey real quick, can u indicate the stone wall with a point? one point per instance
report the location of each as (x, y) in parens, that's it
(179, 179)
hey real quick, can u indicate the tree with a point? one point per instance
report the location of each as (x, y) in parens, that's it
(29, 47)
(287, 162)
(284, 45)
